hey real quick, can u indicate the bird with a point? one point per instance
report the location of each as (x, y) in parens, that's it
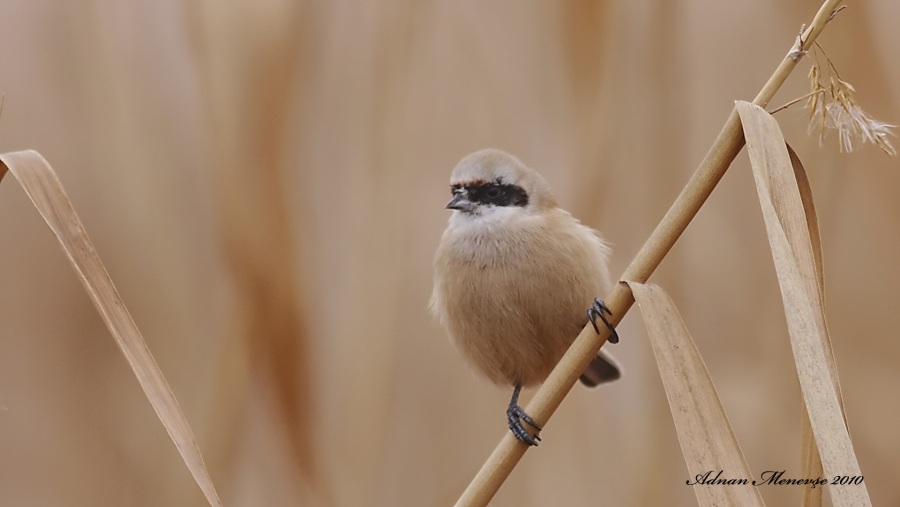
(513, 274)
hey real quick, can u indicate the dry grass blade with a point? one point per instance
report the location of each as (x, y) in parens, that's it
(704, 432)
(795, 264)
(810, 461)
(45, 190)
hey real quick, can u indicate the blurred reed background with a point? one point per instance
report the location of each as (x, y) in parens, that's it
(265, 181)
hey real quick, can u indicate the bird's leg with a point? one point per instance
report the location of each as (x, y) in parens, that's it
(515, 416)
(598, 309)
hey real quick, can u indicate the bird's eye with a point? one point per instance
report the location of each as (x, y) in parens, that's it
(493, 192)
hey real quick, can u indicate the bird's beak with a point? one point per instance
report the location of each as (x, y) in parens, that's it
(461, 202)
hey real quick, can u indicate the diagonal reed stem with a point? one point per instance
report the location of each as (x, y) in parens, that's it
(723, 151)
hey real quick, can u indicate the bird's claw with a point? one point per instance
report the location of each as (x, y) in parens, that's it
(515, 416)
(599, 309)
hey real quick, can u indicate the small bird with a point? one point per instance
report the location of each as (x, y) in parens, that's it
(513, 275)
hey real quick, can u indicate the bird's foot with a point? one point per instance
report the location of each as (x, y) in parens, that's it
(598, 309)
(515, 416)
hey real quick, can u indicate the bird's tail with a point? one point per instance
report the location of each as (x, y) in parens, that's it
(603, 368)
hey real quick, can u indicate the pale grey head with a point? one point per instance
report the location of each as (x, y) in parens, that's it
(493, 181)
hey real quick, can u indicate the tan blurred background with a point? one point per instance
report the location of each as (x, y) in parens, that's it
(265, 181)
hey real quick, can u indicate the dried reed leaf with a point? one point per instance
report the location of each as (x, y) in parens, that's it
(705, 435)
(811, 462)
(46, 192)
(796, 266)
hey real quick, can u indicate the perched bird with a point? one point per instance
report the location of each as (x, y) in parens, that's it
(513, 275)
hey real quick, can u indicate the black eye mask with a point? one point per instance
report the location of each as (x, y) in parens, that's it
(495, 194)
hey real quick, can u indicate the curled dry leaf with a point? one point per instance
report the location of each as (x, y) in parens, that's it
(46, 192)
(798, 267)
(811, 462)
(705, 435)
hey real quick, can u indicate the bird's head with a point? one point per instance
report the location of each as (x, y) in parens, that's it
(491, 184)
